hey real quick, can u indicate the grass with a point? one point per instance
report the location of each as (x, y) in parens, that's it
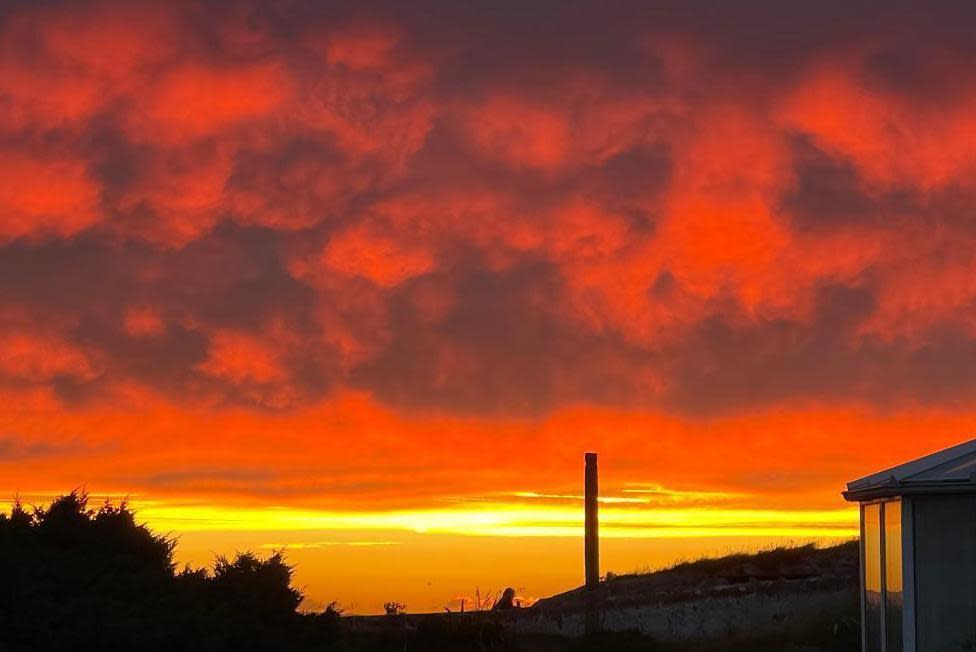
(768, 561)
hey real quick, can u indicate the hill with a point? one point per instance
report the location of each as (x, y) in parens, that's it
(786, 599)
(777, 571)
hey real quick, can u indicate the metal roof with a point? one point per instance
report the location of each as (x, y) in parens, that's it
(952, 470)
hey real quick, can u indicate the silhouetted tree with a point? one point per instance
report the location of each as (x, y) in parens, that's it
(77, 578)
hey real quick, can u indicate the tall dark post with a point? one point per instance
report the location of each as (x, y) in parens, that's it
(591, 543)
(592, 535)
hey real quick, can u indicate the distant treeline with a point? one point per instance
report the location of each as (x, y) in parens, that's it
(76, 578)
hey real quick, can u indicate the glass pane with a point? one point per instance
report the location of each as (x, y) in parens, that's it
(871, 515)
(893, 590)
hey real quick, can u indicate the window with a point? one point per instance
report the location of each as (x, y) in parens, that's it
(881, 539)
(871, 540)
(893, 582)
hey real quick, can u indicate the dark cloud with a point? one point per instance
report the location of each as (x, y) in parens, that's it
(538, 204)
(58, 275)
(724, 366)
(626, 182)
(236, 277)
(231, 279)
(502, 348)
(16, 449)
(827, 190)
(211, 477)
(909, 72)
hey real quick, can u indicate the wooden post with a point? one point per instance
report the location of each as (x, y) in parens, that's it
(592, 526)
(591, 543)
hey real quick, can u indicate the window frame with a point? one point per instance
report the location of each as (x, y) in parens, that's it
(883, 566)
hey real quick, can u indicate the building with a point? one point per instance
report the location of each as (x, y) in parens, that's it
(918, 554)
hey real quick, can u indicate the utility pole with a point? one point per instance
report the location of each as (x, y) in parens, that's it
(592, 527)
(591, 541)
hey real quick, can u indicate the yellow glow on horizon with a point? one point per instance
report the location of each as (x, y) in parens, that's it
(436, 552)
(677, 495)
(504, 519)
(609, 500)
(535, 515)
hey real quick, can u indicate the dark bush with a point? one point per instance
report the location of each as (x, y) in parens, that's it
(76, 578)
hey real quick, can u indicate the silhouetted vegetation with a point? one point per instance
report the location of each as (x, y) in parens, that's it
(393, 608)
(74, 578)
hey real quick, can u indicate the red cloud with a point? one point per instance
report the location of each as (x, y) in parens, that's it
(142, 322)
(893, 139)
(453, 241)
(191, 102)
(519, 133)
(371, 254)
(46, 196)
(241, 359)
(34, 358)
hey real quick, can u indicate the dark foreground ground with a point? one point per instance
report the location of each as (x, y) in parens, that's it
(462, 637)
(76, 578)
(785, 576)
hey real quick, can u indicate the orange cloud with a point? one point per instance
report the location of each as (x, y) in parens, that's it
(142, 322)
(57, 197)
(241, 359)
(892, 138)
(35, 358)
(371, 254)
(342, 260)
(195, 101)
(520, 134)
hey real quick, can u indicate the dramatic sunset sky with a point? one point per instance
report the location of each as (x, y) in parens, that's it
(365, 280)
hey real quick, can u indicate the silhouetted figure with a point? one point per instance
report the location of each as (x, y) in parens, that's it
(507, 601)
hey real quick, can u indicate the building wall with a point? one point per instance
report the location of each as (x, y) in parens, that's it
(945, 573)
(790, 614)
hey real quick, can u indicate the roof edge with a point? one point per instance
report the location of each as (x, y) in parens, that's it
(901, 472)
(876, 492)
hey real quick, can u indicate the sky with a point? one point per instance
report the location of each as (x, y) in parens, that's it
(364, 280)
